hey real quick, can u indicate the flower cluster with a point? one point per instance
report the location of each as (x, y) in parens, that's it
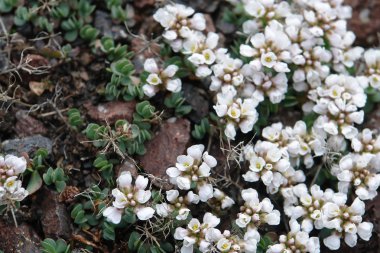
(130, 197)
(11, 189)
(236, 112)
(177, 203)
(206, 237)
(306, 205)
(254, 213)
(268, 164)
(346, 221)
(297, 143)
(178, 23)
(295, 241)
(160, 78)
(192, 171)
(356, 171)
(372, 61)
(339, 103)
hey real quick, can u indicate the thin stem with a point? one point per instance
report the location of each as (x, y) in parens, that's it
(316, 175)
(14, 217)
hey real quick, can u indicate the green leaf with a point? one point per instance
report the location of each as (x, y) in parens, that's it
(60, 186)
(71, 35)
(49, 246)
(133, 241)
(130, 216)
(167, 247)
(76, 210)
(35, 182)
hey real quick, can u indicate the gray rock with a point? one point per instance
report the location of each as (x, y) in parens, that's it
(19, 239)
(202, 5)
(223, 26)
(26, 145)
(55, 219)
(199, 103)
(103, 23)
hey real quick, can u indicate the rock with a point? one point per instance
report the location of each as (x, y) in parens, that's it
(7, 122)
(365, 21)
(223, 26)
(103, 23)
(19, 239)
(26, 125)
(4, 63)
(127, 166)
(208, 6)
(26, 145)
(286, 117)
(111, 111)
(220, 156)
(372, 119)
(144, 3)
(55, 219)
(198, 102)
(210, 27)
(162, 151)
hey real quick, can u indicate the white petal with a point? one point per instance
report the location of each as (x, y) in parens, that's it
(145, 213)
(112, 214)
(150, 65)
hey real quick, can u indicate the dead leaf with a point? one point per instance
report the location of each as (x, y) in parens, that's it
(38, 88)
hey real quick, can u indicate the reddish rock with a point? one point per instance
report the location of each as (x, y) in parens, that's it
(365, 21)
(372, 119)
(210, 27)
(26, 125)
(55, 219)
(111, 111)
(127, 166)
(18, 239)
(162, 151)
(144, 3)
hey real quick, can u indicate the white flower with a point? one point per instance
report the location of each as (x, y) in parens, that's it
(270, 48)
(11, 189)
(11, 165)
(197, 234)
(178, 24)
(131, 196)
(227, 71)
(346, 221)
(267, 164)
(255, 213)
(160, 78)
(267, 85)
(193, 168)
(356, 171)
(339, 103)
(236, 112)
(296, 240)
(225, 201)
